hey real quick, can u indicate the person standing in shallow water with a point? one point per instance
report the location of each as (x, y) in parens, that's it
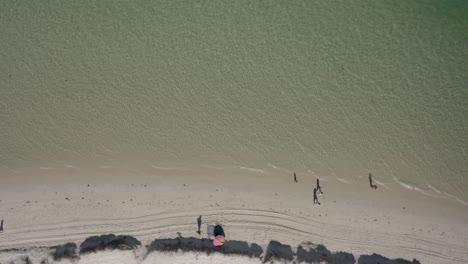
(1, 227)
(318, 187)
(295, 179)
(315, 197)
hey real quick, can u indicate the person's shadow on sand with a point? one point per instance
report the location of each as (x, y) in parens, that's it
(315, 197)
(373, 186)
(199, 224)
(319, 188)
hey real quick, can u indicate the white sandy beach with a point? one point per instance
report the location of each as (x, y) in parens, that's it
(253, 207)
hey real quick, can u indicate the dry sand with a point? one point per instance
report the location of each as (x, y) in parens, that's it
(252, 206)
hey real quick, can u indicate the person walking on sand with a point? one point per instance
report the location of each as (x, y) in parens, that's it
(373, 186)
(315, 197)
(318, 187)
(1, 227)
(295, 179)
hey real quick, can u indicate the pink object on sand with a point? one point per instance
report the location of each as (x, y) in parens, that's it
(218, 241)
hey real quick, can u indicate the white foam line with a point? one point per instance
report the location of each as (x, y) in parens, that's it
(414, 188)
(252, 169)
(434, 189)
(278, 168)
(448, 195)
(456, 198)
(380, 183)
(69, 166)
(343, 180)
(271, 165)
(461, 201)
(407, 186)
(165, 168)
(46, 168)
(212, 167)
(105, 167)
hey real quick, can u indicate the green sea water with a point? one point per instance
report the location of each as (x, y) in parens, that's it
(329, 88)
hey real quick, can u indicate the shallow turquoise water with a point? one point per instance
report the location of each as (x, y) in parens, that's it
(331, 88)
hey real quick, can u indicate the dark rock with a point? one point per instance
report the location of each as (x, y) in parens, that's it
(65, 251)
(378, 259)
(318, 254)
(276, 250)
(343, 258)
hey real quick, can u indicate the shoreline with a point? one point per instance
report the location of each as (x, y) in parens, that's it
(393, 222)
(110, 172)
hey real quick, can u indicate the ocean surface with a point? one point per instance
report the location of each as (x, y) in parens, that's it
(326, 88)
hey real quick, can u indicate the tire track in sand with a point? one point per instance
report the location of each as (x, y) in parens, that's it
(270, 224)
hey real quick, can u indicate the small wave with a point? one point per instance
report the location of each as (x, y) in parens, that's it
(461, 201)
(412, 187)
(408, 186)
